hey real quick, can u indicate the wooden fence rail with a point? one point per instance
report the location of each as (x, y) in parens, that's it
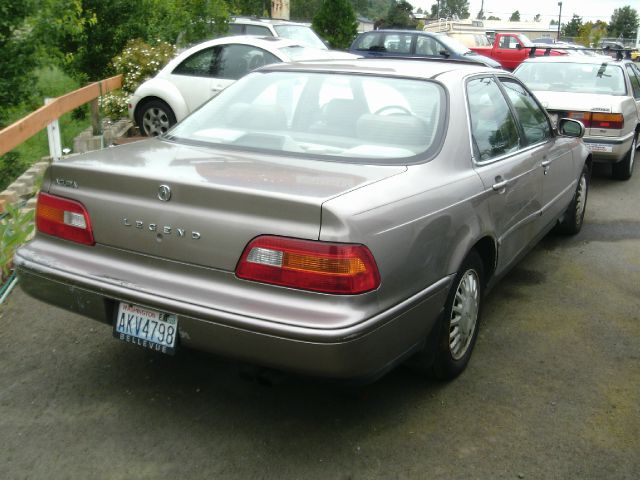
(25, 128)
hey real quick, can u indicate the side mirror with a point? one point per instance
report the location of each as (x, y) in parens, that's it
(444, 53)
(569, 127)
(518, 46)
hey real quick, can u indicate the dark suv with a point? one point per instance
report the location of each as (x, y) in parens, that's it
(415, 43)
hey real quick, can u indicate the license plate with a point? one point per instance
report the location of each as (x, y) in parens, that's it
(599, 147)
(146, 327)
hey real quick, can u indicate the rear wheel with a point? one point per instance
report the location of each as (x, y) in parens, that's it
(460, 321)
(155, 118)
(624, 169)
(574, 218)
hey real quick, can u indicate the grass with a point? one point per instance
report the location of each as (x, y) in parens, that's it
(50, 82)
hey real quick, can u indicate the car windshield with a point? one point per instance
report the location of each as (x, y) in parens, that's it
(347, 117)
(454, 45)
(302, 34)
(526, 42)
(603, 78)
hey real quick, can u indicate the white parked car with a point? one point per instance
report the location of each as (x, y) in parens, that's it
(202, 71)
(604, 94)
(267, 27)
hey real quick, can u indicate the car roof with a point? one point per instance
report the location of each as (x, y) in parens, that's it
(266, 42)
(574, 59)
(405, 32)
(392, 67)
(262, 21)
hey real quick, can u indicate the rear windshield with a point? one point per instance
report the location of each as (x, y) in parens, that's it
(343, 116)
(602, 78)
(301, 33)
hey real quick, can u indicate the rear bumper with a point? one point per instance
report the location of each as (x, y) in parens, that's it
(609, 150)
(364, 349)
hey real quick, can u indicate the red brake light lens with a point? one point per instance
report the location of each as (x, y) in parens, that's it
(63, 218)
(337, 268)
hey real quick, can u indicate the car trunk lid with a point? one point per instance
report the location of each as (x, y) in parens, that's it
(200, 205)
(568, 104)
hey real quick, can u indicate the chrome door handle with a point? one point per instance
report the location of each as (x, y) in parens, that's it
(500, 185)
(546, 163)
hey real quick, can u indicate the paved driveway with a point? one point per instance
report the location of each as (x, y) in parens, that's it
(552, 391)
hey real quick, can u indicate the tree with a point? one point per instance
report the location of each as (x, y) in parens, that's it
(16, 54)
(87, 34)
(515, 16)
(399, 15)
(590, 33)
(624, 22)
(336, 23)
(258, 8)
(572, 28)
(537, 18)
(452, 8)
(491, 17)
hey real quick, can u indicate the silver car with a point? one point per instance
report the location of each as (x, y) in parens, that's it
(602, 93)
(331, 218)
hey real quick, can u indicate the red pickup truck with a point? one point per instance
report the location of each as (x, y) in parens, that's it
(511, 49)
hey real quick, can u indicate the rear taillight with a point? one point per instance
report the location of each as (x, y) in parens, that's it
(309, 265)
(613, 121)
(63, 218)
(607, 120)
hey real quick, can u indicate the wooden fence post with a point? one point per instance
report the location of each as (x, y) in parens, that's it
(53, 133)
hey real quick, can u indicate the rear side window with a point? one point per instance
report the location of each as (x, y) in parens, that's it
(493, 128)
(200, 64)
(532, 118)
(371, 42)
(258, 30)
(237, 60)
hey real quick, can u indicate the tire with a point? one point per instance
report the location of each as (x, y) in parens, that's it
(572, 222)
(624, 169)
(460, 320)
(155, 117)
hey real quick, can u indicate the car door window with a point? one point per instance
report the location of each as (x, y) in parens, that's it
(426, 46)
(200, 64)
(508, 42)
(635, 81)
(493, 128)
(236, 29)
(398, 43)
(236, 60)
(532, 118)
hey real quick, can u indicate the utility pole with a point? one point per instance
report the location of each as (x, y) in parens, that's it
(559, 19)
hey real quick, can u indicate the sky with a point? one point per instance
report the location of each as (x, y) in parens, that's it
(589, 10)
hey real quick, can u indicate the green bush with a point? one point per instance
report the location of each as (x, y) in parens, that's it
(15, 229)
(137, 62)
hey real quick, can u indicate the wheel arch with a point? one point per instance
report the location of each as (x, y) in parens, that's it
(158, 89)
(487, 249)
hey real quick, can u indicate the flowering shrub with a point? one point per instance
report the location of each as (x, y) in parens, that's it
(137, 62)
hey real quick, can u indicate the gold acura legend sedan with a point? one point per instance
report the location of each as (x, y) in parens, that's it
(332, 218)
